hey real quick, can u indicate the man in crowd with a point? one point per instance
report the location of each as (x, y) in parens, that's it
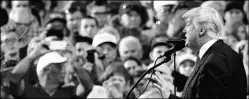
(19, 4)
(51, 72)
(9, 48)
(219, 71)
(130, 46)
(73, 16)
(99, 10)
(106, 45)
(88, 27)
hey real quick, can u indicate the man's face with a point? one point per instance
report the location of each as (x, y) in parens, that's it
(109, 51)
(8, 40)
(55, 73)
(191, 35)
(81, 48)
(73, 21)
(157, 51)
(131, 20)
(186, 68)
(117, 81)
(19, 4)
(233, 16)
(130, 50)
(88, 27)
(100, 13)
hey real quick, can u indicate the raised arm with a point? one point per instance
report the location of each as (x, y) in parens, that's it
(23, 66)
(85, 85)
(16, 77)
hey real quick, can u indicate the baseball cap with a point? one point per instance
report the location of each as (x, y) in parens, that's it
(104, 38)
(98, 92)
(49, 58)
(62, 20)
(234, 5)
(157, 41)
(158, 5)
(185, 57)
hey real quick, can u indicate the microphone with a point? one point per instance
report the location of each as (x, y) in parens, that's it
(177, 45)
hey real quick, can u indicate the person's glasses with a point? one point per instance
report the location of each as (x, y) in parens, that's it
(25, 24)
(22, 5)
(100, 13)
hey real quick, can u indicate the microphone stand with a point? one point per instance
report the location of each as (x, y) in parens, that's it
(174, 71)
(167, 59)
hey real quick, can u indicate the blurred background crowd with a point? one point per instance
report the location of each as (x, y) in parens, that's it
(94, 49)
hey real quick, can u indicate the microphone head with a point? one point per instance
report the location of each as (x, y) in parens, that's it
(178, 44)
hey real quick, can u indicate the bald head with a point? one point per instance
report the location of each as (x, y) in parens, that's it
(130, 46)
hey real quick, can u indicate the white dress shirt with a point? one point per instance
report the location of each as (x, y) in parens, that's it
(205, 47)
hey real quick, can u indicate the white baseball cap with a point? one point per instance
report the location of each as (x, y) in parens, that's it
(98, 92)
(49, 58)
(103, 38)
(184, 57)
(158, 5)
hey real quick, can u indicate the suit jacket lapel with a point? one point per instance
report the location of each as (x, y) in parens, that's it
(199, 64)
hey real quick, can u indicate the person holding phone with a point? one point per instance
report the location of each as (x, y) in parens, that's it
(106, 46)
(51, 72)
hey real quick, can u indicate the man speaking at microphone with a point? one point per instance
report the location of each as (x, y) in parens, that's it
(219, 71)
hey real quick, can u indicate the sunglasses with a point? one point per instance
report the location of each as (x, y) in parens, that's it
(25, 24)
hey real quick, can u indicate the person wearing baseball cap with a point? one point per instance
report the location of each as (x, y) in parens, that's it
(106, 46)
(158, 46)
(185, 64)
(234, 16)
(51, 73)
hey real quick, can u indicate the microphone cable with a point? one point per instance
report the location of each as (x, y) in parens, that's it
(149, 79)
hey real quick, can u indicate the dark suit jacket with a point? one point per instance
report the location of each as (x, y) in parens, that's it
(219, 74)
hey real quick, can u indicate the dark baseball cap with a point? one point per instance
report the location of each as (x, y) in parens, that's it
(159, 41)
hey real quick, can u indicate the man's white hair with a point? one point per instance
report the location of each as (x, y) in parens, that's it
(209, 18)
(130, 40)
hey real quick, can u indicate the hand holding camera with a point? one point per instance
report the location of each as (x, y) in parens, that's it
(40, 49)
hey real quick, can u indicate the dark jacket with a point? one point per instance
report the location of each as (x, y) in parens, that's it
(219, 74)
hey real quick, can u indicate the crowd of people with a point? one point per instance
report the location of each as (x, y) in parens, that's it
(99, 49)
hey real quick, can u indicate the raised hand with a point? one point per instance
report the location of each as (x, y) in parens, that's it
(39, 49)
(163, 84)
(88, 66)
